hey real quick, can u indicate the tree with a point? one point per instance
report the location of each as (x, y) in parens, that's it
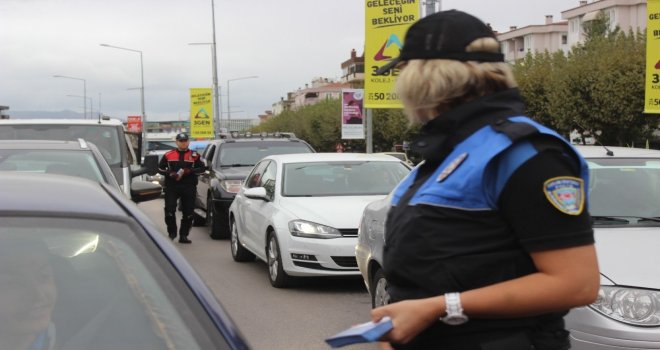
(597, 88)
(320, 125)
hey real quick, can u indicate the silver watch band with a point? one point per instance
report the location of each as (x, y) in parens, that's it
(453, 304)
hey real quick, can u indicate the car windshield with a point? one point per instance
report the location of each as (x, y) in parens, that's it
(249, 153)
(106, 138)
(624, 191)
(341, 178)
(94, 284)
(160, 145)
(63, 162)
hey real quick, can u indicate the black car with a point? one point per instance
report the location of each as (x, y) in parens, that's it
(82, 267)
(229, 161)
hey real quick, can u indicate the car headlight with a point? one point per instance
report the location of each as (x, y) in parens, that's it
(308, 229)
(639, 307)
(231, 186)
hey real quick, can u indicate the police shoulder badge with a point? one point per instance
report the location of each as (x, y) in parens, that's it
(566, 193)
(451, 167)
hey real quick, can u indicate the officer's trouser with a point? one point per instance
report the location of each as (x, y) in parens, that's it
(187, 193)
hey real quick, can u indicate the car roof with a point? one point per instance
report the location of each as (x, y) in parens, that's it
(61, 121)
(618, 152)
(44, 144)
(329, 157)
(257, 139)
(56, 194)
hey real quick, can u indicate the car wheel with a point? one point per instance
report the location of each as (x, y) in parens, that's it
(239, 253)
(379, 294)
(278, 278)
(217, 221)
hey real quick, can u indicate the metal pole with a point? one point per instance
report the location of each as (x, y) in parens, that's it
(144, 115)
(85, 99)
(216, 89)
(370, 146)
(228, 105)
(228, 81)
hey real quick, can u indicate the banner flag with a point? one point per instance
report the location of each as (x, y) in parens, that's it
(134, 123)
(385, 29)
(652, 87)
(201, 113)
(352, 122)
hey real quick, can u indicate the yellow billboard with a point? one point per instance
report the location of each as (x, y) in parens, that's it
(652, 87)
(201, 113)
(385, 29)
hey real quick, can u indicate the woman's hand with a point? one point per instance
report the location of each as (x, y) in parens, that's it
(409, 317)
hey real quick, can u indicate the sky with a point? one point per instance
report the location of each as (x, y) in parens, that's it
(284, 44)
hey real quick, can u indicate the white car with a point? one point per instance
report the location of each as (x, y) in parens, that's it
(300, 212)
(624, 203)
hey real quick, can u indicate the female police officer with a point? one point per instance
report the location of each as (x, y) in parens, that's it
(488, 242)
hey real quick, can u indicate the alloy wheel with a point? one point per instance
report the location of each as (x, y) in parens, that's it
(273, 258)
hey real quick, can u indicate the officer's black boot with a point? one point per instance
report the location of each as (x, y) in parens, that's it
(170, 221)
(186, 224)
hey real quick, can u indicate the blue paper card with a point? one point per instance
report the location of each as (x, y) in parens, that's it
(362, 333)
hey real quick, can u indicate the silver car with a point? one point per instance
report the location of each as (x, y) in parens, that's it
(624, 202)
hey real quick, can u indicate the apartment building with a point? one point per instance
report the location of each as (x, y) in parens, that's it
(626, 14)
(562, 35)
(352, 70)
(322, 89)
(551, 36)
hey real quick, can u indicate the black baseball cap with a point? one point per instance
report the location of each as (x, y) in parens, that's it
(182, 136)
(444, 35)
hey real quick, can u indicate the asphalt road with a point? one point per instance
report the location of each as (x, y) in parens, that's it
(270, 318)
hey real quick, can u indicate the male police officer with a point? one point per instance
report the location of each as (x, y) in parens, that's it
(180, 167)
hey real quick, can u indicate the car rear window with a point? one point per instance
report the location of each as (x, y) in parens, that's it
(72, 163)
(249, 153)
(106, 138)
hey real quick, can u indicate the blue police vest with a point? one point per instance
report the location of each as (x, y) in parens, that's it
(465, 181)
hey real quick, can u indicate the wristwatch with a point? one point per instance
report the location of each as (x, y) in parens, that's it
(455, 315)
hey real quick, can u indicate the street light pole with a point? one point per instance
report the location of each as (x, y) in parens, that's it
(84, 92)
(217, 115)
(215, 74)
(144, 115)
(228, 104)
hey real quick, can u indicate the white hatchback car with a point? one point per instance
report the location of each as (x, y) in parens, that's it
(624, 202)
(300, 212)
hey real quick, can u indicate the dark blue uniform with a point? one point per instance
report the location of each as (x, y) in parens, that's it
(494, 187)
(180, 169)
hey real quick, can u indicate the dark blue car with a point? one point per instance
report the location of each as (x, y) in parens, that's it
(81, 267)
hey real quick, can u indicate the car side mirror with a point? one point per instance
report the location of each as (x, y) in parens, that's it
(149, 166)
(142, 191)
(256, 193)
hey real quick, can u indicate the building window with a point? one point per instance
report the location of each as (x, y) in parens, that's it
(528, 42)
(564, 39)
(574, 25)
(611, 14)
